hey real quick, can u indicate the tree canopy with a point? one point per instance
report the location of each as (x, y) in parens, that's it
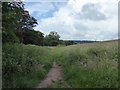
(15, 20)
(18, 27)
(52, 39)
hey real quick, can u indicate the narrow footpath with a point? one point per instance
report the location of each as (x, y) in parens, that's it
(53, 75)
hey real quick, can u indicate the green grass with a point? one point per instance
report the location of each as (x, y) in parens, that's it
(25, 65)
(92, 65)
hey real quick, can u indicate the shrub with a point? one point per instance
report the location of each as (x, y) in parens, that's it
(24, 65)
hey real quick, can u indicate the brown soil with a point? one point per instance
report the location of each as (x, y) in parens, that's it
(53, 75)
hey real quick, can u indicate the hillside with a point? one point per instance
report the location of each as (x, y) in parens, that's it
(82, 66)
(36, 52)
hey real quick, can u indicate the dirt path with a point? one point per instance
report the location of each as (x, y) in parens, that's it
(53, 75)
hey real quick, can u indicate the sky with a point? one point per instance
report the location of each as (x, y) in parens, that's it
(76, 19)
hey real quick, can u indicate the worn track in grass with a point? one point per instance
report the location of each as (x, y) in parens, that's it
(53, 75)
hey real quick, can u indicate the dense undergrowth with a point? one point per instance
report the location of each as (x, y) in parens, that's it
(24, 65)
(84, 66)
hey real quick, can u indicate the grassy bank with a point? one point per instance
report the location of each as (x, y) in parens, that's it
(25, 65)
(90, 65)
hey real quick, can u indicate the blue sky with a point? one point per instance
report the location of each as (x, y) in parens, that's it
(77, 19)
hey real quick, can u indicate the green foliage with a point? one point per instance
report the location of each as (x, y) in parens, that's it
(24, 65)
(17, 27)
(69, 43)
(33, 37)
(90, 65)
(14, 21)
(52, 39)
(85, 66)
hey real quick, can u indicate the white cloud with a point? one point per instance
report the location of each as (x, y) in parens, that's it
(39, 8)
(69, 23)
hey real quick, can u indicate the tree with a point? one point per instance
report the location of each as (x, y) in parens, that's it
(15, 20)
(33, 37)
(52, 39)
(9, 21)
(69, 43)
(27, 23)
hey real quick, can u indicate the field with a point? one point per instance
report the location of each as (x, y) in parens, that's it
(92, 65)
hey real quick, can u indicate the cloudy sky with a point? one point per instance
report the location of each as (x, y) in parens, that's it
(77, 19)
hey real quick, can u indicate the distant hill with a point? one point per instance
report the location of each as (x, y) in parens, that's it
(76, 41)
(81, 41)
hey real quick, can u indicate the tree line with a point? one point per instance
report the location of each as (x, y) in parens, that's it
(18, 27)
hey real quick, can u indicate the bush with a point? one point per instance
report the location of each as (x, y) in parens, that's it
(24, 65)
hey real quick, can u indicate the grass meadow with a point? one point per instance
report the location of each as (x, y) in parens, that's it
(92, 65)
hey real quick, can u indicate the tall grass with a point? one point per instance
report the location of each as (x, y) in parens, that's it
(24, 65)
(84, 66)
(90, 65)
